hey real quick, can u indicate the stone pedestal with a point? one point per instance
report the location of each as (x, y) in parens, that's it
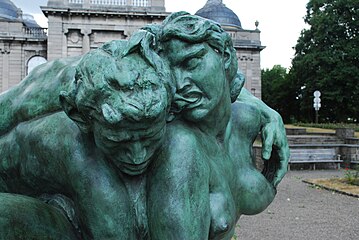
(343, 133)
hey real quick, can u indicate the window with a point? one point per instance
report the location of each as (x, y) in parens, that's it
(34, 62)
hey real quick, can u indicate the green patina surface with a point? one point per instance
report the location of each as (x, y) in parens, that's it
(149, 138)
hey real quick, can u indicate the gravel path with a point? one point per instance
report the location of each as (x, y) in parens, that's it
(303, 212)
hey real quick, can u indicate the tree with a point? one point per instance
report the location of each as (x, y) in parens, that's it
(327, 59)
(278, 92)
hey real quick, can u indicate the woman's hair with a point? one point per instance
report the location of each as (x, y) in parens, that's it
(195, 29)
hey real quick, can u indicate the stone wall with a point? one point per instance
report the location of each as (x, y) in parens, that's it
(77, 26)
(18, 44)
(343, 143)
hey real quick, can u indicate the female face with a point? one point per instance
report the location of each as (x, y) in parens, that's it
(200, 77)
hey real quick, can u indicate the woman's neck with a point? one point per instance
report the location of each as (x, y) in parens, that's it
(216, 122)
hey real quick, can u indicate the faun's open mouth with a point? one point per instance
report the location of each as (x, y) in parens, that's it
(134, 169)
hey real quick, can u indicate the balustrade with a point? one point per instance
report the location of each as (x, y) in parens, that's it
(109, 2)
(136, 3)
(35, 32)
(76, 1)
(140, 3)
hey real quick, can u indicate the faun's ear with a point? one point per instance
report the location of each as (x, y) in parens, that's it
(237, 85)
(111, 115)
(227, 58)
(68, 105)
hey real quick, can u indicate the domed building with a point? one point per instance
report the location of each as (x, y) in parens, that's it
(76, 26)
(22, 44)
(218, 12)
(246, 42)
(8, 10)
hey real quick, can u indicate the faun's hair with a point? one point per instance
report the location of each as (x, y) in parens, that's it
(122, 80)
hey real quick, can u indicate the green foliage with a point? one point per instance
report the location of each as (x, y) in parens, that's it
(278, 93)
(326, 59)
(352, 176)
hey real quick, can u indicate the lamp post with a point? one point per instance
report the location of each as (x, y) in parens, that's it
(316, 104)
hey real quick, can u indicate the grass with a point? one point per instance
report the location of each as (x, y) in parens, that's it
(324, 128)
(312, 129)
(335, 184)
(258, 142)
(330, 125)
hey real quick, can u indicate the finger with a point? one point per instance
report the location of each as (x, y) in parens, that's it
(267, 139)
(284, 155)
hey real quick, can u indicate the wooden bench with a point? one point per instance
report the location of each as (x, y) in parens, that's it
(314, 155)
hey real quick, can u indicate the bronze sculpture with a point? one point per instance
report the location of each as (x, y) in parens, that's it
(155, 142)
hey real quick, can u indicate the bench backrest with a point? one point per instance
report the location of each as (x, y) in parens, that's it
(313, 155)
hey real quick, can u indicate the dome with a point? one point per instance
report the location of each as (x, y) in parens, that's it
(8, 10)
(216, 11)
(29, 21)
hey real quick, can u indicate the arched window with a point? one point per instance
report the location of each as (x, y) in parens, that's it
(34, 62)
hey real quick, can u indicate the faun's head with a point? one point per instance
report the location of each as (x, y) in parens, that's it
(121, 98)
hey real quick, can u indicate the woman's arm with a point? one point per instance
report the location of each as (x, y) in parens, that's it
(273, 136)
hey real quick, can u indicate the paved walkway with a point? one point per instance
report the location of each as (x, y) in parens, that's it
(303, 212)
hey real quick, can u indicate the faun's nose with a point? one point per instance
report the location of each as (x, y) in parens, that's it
(137, 153)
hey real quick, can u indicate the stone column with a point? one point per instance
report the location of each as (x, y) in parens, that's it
(64, 43)
(85, 40)
(5, 51)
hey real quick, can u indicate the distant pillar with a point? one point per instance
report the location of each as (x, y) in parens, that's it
(5, 51)
(85, 40)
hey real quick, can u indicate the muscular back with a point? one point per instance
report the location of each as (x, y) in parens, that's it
(37, 94)
(32, 158)
(49, 155)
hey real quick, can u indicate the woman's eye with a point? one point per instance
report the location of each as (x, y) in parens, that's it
(192, 63)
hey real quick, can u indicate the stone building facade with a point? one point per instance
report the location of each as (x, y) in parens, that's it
(76, 26)
(22, 44)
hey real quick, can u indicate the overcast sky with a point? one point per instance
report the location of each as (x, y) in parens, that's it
(280, 22)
